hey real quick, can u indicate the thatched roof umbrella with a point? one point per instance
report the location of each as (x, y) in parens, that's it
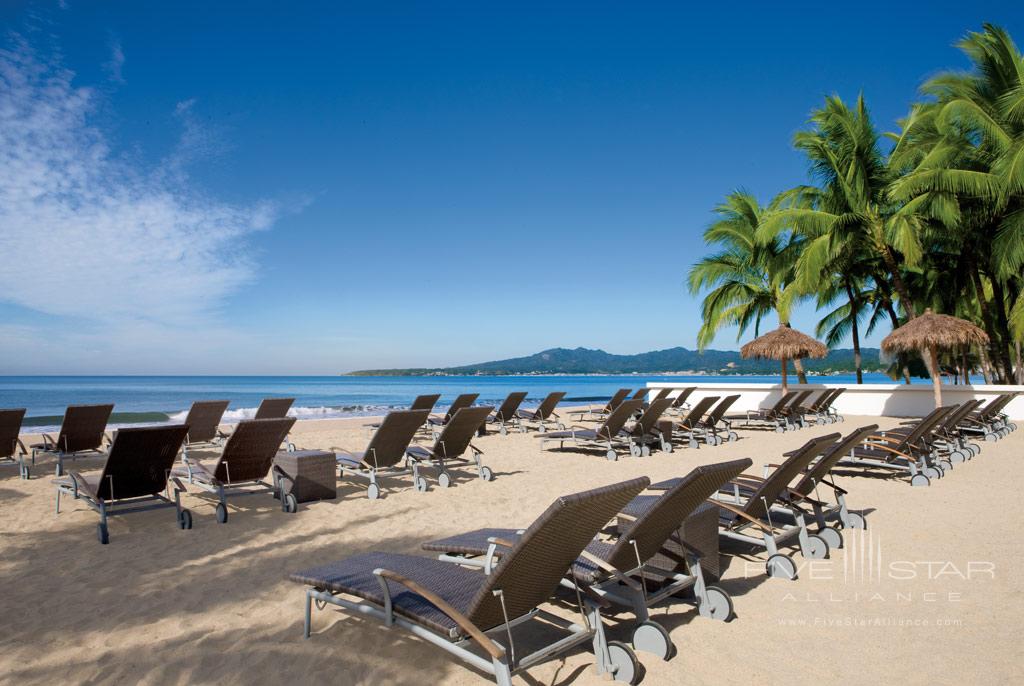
(783, 344)
(928, 333)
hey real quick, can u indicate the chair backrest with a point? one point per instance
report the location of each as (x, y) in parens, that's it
(460, 429)
(995, 406)
(531, 571)
(923, 427)
(842, 447)
(661, 394)
(10, 427)
(508, 408)
(140, 460)
(697, 412)
(461, 401)
(799, 400)
(203, 419)
(721, 408)
(781, 403)
(249, 453)
(835, 394)
(617, 419)
(776, 482)
(649, 419)
(425, 402)
(825, 399)
(640, 393)
(683, 396)
(83, 427)
(274, 408)
(393, 436)
(616, 399)
(548, 405)
(951, 420)
(652, 528)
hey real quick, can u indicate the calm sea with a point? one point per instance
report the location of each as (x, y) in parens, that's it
(147, 399)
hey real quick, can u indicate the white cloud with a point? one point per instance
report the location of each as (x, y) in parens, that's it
(115, 67)
(85, 233)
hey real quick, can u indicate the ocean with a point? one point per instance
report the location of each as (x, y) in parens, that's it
(154, 399)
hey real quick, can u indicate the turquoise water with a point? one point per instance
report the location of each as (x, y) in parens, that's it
(141, 399)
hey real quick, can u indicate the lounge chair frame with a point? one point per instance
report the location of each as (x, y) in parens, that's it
(395, 433)
(541, 416)
(63, 446)
(608, 436)
(12, 448)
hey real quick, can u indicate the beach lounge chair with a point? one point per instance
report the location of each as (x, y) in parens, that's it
(608, 436)
(901, 452)
(203, 422)
(454, 608)
(989, 421)
(385, 455)
(772, 416)
(690, 427)
(134, 477)
(436, 421)
(452, 443)
(679, 402)
(817, 410)
(420, 402)
(945, 440)
(646, 430)
(590, 414)
(11, 447)
(660, 395)
(274, 408)
(82, 431)
(247, 459)
(715, 424)
(830, 406)
(540, 417)
(506, 416)
(793, 412)
(745, 514)
(624, 561)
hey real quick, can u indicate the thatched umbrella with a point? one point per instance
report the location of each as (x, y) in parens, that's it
(783, 344)
(928, 333)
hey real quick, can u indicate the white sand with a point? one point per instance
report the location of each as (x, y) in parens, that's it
(160, 605)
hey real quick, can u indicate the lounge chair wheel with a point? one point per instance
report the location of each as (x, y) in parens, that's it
(651, 637)
(373, 491)
(991, 437)
(421, 484)
(612, 457)
(920, 480)
(222, 513)
(974, 448)
(542, 429)
(645, 451)
(291, 504)
(718, 605)
(957, 457)
(185, 519)
(857, 521)
(693, 444)
(780, 429)
(780, 566)
(444, 479)
(486, 474)
(667, 448)
(733, 436)
(102, 534)
(502, 430)
(932, 472)
(625, 666)
(832, 536)
(634, 450)
(817, 548)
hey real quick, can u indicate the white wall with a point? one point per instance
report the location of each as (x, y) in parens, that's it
(891, 400)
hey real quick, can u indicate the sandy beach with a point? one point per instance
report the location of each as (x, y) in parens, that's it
(213, 605)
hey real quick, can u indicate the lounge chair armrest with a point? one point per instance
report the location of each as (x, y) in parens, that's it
(504, 543)
(887, 439)
(740, 513)
(109, 438)
(22, 446)
(475, 449)
(48, 441)
(627, 517)
(619, 576)
(492, 648)
(81, 485)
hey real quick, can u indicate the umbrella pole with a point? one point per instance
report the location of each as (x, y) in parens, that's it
(933, 357)
(784, 384)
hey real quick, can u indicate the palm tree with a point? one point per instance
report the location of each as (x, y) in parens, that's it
(747, 279)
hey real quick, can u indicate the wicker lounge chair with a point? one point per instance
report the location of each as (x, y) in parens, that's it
(691, 427)
(82, 431)
(453, 608)
(203, 422)
(436, 421)
(544, 413)
(420, 402)
(274, 408)
(906, 453)
(247, 459)
(990, 421)
(452, 443)
(590, 414)
(11, 447)
(608, 436)
(624, 562)
(679, 402)
(385, 455)
(646, 430)
(134, 477)
(506, 416)
(772, 416)
(820, 409)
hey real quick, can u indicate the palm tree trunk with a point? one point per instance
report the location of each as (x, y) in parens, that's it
(933, 361)
(801, 376)
(983, 305)
(855, 333)
(1003, 326)
(895, 325)
(1020, 363)
(897, 281)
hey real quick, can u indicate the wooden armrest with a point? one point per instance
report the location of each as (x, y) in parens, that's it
(48, 441)
(492, 648)
(741, 514)
(601, 564)
(505, 543)
(22, 446)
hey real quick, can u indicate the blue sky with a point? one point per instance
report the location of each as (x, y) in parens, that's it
(312, 188)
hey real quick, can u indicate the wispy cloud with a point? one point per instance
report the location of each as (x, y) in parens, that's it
(87, 234)
(115, 66)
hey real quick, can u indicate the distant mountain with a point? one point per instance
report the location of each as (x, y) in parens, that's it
(672, 360)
